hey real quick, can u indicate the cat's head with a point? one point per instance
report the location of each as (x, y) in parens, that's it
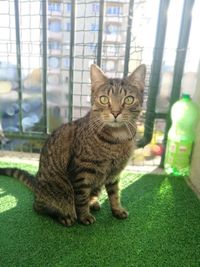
(117, 101)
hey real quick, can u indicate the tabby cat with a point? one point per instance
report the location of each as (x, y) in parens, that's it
(82, 156)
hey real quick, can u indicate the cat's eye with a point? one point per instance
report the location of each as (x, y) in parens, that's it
(104, 99)
(129, 100)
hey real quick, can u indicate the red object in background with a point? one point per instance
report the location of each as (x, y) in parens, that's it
(157, 150)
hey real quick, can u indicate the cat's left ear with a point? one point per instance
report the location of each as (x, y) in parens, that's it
(137, 77)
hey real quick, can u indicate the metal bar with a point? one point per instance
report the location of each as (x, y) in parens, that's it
(179, 62)
(128, 38)
(100, 32)
(26, 135)
(44, 63)
(181, 50)
(71, 64)
(160, 115)
(155, 73)
(19, 67)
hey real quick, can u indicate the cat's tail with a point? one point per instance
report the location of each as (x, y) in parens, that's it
(21, 175)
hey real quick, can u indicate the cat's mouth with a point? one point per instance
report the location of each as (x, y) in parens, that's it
(116, 123)
(113, 121)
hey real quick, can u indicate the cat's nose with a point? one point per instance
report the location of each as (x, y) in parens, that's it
(115, 113)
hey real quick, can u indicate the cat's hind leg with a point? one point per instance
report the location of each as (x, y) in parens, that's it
(46, 209)
(56, 199)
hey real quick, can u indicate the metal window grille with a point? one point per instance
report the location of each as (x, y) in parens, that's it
(46, 48)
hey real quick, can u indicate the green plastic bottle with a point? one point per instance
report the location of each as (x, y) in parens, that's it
(181, 136)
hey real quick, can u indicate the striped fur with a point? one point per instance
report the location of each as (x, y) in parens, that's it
(21, 175)
(81, 157)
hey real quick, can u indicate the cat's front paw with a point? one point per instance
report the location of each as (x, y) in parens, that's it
(120, 213)
(87, 219)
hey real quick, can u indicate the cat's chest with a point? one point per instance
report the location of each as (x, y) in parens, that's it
(116, 158)
(108, 158)
(107, 154)
(110, 150)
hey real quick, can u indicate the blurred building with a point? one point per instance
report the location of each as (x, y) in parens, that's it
(89, 24)
(86, 32)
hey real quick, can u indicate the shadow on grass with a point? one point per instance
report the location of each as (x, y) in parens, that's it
(163, 229)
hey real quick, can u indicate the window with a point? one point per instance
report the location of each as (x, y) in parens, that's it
(94, 27)
(54, 26)
(66, 63)
(112, 50)
(54, 62)
(68, 8)
(54, 7)
(67, 27)
(95, 8)
(92, 47)
(113, 10)
(112, 29)
(54, 45)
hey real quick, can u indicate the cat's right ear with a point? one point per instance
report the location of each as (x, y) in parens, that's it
(97, 76)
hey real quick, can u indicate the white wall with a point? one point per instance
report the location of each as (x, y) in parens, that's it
(195, 167)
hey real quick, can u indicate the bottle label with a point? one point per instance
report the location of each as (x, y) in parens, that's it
(178, 154)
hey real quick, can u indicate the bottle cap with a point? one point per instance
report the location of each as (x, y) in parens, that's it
(186, 96)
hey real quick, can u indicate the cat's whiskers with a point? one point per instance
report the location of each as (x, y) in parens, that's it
(134, 126)
(106, 118)
(131, 128)
(127, 126)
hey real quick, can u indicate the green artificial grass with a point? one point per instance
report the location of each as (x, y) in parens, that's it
(163, 228)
